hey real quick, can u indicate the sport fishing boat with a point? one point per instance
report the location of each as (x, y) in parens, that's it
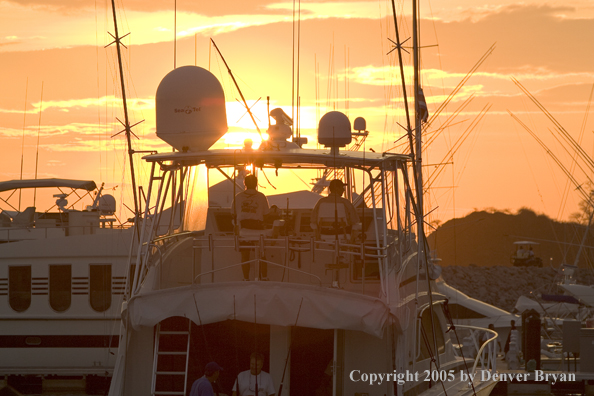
(335, 306)
(62, 279)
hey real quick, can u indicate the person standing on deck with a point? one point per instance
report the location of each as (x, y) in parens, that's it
(203, 385)
(247, 380)
(249, 207)
(336, 189)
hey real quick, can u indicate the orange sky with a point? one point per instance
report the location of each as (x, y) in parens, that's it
(547, 47)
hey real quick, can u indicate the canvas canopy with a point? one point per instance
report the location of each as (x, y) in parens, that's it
(266, 302)
(88, 185)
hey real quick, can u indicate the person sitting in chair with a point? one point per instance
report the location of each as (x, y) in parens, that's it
(334, 215)
(250, 206)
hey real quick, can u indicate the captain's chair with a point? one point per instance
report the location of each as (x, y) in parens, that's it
(25, 218)
(332, 221)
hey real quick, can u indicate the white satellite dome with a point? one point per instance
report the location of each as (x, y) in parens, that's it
(190, 106)
(334, 130)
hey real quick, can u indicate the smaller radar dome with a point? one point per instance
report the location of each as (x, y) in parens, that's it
(334, 129)
(360, 124)
(190, 107)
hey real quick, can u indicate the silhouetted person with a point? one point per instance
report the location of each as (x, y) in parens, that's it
(250, 206)
(334, 215)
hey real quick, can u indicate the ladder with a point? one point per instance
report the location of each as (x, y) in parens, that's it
(171, 356)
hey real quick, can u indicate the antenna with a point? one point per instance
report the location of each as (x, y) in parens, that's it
(298, 132)
(293, 67)
(23, 142)
(174, 34)
(37, 153)
(126, 123)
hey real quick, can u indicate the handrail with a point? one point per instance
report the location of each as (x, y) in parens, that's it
(254, 260)
(382, 249)
(286, 243)
(170, 236)
(491, 363)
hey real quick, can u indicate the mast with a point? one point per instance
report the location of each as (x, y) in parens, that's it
(126, 123)
(418, 142)
(423, 246)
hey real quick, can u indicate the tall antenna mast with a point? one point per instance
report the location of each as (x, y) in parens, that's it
(23, 141)
(418, 141)
(175, 34)
(126, 123)
(37, 151)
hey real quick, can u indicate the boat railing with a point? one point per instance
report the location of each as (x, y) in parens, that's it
(14, 234)
(336, 254)
(257, 261)
(481, 344)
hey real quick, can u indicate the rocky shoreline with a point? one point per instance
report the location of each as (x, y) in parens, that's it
(502, 285)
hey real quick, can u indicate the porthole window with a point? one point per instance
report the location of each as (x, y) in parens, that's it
(100, 286)
(19, 287)
(60, 287)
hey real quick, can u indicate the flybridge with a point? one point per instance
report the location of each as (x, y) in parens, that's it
(315, 158)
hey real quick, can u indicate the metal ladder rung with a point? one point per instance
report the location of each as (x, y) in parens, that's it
(171, 353)
(158, 353)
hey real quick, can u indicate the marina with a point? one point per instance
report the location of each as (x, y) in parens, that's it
(291, 262)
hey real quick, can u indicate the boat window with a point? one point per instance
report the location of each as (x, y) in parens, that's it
(196, 200)
(425, 336)
(19, 287)
(60, 287)
(371, 269)
(305, 225)
(100, 286)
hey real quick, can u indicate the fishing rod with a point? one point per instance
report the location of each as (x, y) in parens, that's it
(237, 86)
(257, 390)
(433, 176)
(204, 336)
(280, 388)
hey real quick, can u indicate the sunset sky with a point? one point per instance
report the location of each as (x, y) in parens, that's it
(547, 46)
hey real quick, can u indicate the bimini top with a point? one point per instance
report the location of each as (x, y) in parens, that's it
(88, 185)
(297, 157)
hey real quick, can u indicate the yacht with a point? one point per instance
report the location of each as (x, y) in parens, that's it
(62, 279)
(332, 309)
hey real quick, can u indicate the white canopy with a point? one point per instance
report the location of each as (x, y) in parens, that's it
(269, 302)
